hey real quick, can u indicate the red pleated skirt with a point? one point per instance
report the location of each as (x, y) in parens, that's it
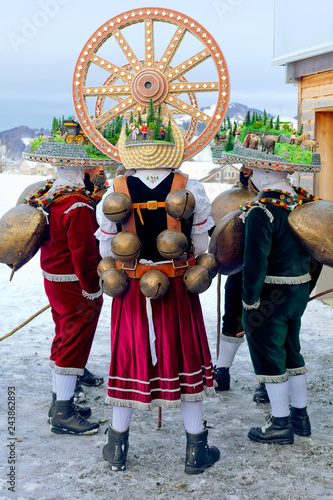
(183, 371)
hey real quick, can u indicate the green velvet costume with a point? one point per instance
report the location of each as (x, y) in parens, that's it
(275, 287)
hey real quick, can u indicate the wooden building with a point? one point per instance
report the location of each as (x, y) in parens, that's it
(303, 43)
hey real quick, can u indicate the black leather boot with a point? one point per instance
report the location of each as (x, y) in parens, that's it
(67, 420)
(277, 430)
(90, 379)
(301, 422)
(84, 411)
(260, 394)
(115, 449)
(222, 378)
(199, 455)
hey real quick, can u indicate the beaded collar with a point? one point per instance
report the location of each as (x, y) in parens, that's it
(276, 197)
(43, 197)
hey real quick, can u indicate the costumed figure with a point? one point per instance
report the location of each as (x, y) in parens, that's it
(275, 295)
(143, 129)
(159, 350)
(69, 258)
(276, 283)
(162, 132)
(135, 131)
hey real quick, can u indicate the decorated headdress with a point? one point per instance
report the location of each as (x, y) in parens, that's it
(149, 92)
(267, 151)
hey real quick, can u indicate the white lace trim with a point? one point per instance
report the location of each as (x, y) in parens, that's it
(92, 296)
(253, 306)
(288, 280)
(208, 391)
(60, 277)
(77, 205)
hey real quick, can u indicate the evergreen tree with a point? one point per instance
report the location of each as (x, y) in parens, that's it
(247, 120)
(118, 124)
(271, 122)
(234, 128)
(55, 125)
(229, 143)
(277, 123)
(253, 118)
(224, 124)
(168, 135)
(62, 120)
(139, 119)
(158, 122)
(151, 112)
(131, 117)
(127, 130)
(265, 117)
(228, 122)
(301, 129)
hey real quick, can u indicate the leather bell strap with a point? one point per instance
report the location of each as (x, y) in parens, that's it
(177, 267)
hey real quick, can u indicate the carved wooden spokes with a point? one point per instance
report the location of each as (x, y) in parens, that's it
(132, 85)
(101, 94)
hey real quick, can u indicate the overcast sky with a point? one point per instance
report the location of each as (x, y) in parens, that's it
(42, 39)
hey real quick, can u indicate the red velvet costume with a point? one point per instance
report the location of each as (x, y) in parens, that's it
(69, 259)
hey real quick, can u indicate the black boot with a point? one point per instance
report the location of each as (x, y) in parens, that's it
(277, 430)
(90, 379)
(66, 420)
(222, 378)
(301, 422)
(199, 455)
(84, 411)
(260, 395)
(79, 394)
(115, 449)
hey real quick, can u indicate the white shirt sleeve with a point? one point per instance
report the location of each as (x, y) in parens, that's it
(107, 229)
(202, 221)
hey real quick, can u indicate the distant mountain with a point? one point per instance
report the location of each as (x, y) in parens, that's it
(13, 140)
(236, 112)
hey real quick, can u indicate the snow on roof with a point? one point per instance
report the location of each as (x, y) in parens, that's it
(197, 169)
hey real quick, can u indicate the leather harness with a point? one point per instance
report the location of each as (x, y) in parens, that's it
(134, 269)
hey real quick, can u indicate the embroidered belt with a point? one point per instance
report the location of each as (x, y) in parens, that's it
(60, 277)
(177, 267)
(288, 280)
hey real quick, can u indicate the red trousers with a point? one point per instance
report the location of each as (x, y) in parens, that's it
(75, 321)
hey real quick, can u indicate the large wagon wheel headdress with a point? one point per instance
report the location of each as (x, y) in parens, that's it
(143, 76)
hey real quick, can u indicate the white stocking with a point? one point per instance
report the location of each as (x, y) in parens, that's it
(121, 418)
(278, 394)
(192, 416)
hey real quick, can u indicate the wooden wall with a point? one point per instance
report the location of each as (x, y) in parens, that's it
(315, 94)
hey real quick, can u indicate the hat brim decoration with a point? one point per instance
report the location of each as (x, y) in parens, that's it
(257, 159)
(148, 155)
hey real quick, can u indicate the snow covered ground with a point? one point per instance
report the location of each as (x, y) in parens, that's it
(50, 466)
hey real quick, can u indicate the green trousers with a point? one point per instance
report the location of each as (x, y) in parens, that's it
(272, 332)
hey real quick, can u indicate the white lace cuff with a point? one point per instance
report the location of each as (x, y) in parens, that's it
(92, 296)
(253, 306)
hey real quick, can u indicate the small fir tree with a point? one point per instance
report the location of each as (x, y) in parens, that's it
(248, 118)
(168, 135)
(271, 122)
(264, 119)
(301, 129)
(277, 123)
(151, 112)
(229, 143)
